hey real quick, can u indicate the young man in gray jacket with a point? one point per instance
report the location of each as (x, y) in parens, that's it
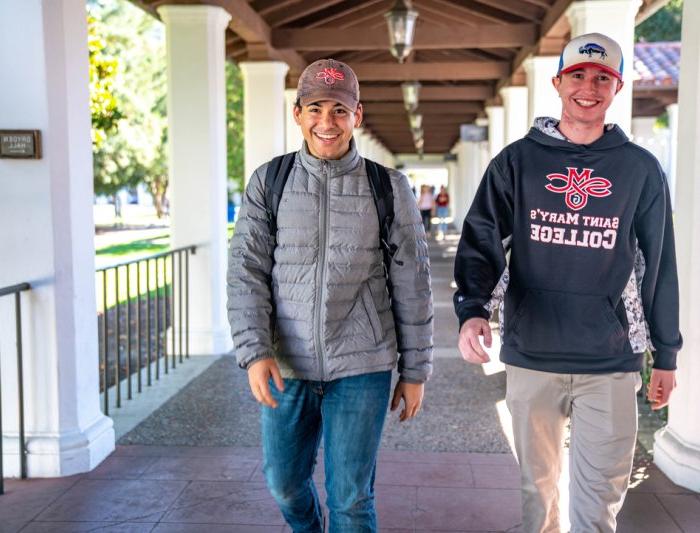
(312, 316)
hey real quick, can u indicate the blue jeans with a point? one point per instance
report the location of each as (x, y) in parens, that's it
(349, 413)
(443, 213)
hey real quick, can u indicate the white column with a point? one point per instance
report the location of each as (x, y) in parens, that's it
(468, 162)
(362, 142)
(373, 148)
(263, 112)
(462, 200)
(369, 146)
(483, 151)
(496, 116)
(452, 178)
(197, 162)
(677, 446)
(646, 134)
(614, 18)
(377, 150)
(381, 153)
(47, 239)
(672, 162)
(543, 100)
(293, 137)
(388, 158)
(515, 113)
(359, 140)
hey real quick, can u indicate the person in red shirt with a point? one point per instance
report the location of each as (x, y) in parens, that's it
(442, 202)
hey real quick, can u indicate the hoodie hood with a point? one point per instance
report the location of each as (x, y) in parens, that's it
(544, 131)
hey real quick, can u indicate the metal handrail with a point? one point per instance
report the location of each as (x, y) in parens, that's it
(12, 289)
(6, 291)
(192, 249)
(163, 295)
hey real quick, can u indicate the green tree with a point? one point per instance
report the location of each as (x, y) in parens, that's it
(135, 151)
(234, 126)
(664, 25)
(103, 70)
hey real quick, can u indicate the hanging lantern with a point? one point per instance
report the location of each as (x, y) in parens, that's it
(401, 20)
(410, 90)
(416, 121)
(417, 134)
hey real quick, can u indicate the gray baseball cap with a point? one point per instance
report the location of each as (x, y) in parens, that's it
(328, 79)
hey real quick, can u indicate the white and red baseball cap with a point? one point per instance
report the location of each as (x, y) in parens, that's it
(592, 49)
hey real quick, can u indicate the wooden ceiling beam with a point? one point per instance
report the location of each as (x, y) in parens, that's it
(252, 28)
(552, 16)
(457, 14)
(367, 11)
(432, 19)
(394, 118)
(446, 93)
(424, 108)
(469, 8)
(545, 4)
(449, 71)
(268, 6)
(349, 57)
(305, 8)
(429, 38)
(404, 133)
(348, 13)
(515, 7)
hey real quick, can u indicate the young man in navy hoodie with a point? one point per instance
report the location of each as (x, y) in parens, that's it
(590, 285)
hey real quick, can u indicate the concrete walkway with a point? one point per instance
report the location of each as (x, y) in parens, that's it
(193, 465)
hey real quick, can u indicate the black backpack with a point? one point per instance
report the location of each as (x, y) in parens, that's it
(382, 192)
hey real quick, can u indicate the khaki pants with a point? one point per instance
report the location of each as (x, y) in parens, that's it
(603, 413)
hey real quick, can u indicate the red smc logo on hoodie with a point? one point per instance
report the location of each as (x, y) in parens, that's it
(578, 186)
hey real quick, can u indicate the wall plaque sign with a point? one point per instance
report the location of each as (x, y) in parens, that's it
(20, 144)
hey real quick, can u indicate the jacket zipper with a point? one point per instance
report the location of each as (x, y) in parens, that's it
(321, 269)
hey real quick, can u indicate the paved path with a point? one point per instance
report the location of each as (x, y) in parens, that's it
(194, 464)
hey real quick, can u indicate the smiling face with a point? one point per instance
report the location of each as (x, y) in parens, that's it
(327, 127)
(586, 94)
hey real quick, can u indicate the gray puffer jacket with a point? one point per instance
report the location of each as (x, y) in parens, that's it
(322, 307)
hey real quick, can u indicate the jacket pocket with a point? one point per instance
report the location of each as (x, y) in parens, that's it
(567, 323)
(371, 310)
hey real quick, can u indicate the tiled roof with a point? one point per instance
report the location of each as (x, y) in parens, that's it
(656, 64)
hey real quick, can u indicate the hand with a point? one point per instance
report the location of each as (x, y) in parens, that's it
(412, 394)
(469, 345)
(661, 384)
(259, 374)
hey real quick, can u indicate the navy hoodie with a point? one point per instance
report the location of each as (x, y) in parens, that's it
(575, 217)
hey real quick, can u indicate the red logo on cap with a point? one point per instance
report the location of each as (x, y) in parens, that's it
(329, 75)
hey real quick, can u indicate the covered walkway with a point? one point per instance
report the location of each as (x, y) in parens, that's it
(194, 464)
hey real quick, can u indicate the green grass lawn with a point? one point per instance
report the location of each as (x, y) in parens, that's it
(123, 251)
(128, 282)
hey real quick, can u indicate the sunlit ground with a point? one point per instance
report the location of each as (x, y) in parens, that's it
(132, 215)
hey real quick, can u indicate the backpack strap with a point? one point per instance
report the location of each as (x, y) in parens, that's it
(383, 193)
(278, 171)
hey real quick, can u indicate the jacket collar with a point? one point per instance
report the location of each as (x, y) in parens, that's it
(334, 167)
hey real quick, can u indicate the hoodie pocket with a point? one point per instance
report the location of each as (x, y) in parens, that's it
(567, 323)
(371, 310)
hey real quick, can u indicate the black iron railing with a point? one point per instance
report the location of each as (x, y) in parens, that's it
(140, 302)
(16, 290)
